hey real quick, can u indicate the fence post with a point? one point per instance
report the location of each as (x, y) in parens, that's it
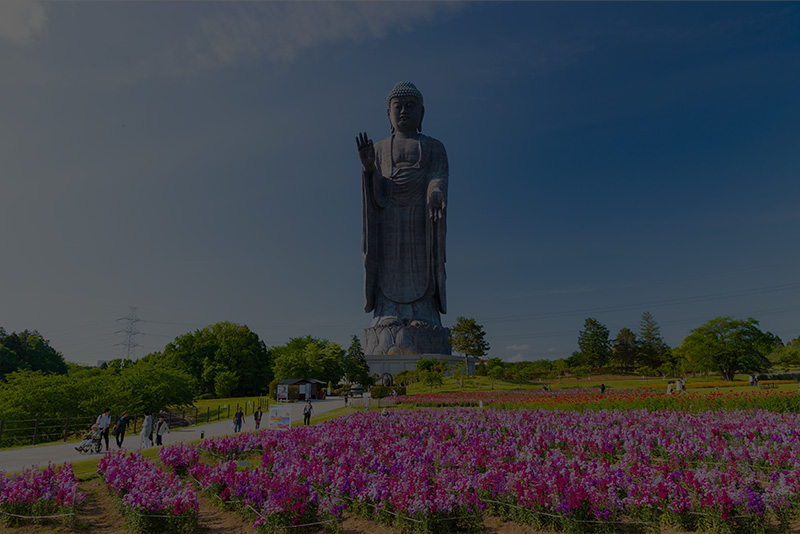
(66, 427)
(35, 430)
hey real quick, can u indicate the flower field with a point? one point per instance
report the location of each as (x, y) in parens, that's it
(150, 499)
(613, 399)
(575, 471)
(45, 496)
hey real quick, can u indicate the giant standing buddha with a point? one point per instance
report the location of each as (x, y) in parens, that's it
(404, 205)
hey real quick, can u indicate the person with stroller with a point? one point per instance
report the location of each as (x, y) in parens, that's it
(91, 441)
(104, 424)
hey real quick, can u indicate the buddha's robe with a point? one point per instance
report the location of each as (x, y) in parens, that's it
(403, 249)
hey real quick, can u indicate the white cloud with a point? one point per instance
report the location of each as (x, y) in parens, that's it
(280, 31)
(516, 358)
(518, 347)
(21, 20)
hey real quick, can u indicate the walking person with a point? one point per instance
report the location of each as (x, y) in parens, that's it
(307, 409)
(257, 417)
(238, 418)
(104, 424)
(147, 431)
(161, 428)
(120, 427)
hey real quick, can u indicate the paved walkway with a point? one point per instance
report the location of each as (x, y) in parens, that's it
(58, 453)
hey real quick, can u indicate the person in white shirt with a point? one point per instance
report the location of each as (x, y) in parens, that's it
(104, 423)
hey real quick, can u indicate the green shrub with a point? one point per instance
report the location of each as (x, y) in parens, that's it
(379, 392)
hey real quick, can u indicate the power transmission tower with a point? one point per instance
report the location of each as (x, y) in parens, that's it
(130, 334)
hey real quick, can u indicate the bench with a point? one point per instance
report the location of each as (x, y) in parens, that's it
(767, 386)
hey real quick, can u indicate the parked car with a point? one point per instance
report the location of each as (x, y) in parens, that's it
(356, 390)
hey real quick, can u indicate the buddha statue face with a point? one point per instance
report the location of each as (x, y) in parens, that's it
(405, 114)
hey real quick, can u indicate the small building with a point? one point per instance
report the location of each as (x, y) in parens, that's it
(310, 388)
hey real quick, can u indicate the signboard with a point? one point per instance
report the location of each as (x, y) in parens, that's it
(302, 389)
(283, 392)
(280, 416)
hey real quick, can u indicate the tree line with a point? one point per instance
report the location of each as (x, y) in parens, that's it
(220, 360)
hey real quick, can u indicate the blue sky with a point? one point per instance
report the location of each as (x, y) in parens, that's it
(197, 160)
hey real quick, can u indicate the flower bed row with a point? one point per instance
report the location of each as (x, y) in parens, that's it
(443, 470)
(613, 399)
(38, 497)
(150, 499)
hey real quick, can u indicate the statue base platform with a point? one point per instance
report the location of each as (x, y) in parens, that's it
(391, 349)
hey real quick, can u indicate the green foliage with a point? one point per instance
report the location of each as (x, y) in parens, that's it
(467, 337)
(431, 378)
(495, 369)
(28, 351)
(728, 346)
(625, 350)
(307, 357)
(356, 369)
(431, 364)
(84, 393)
(406, 376)
(380, 392)
(787, 356)
(653, 352)
(220, 348)
(225, 383)
(595, 348)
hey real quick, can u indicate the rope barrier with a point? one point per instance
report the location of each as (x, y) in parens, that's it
(36, 516)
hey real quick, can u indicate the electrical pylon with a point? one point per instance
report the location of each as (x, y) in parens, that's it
(130, 334)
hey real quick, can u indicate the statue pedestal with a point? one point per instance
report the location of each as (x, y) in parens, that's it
(391, 349)
(396, 340)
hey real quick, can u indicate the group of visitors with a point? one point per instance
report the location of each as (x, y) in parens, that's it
(753, 381)
(238, 418)
(150, 428)
(677, 386)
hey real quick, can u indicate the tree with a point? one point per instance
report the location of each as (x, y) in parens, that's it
(625, 350)
(728, 346)
(431, 378)
(787, 356)
(147, 386)
(467, 337)
(595, 348)
(495, 369)
(222, 347)
(653, 352)
(308, 357)
(356, 368)
(224, 383)
(430, 371)
(28, 351)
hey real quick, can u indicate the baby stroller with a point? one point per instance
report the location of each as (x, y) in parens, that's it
(92, 442)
